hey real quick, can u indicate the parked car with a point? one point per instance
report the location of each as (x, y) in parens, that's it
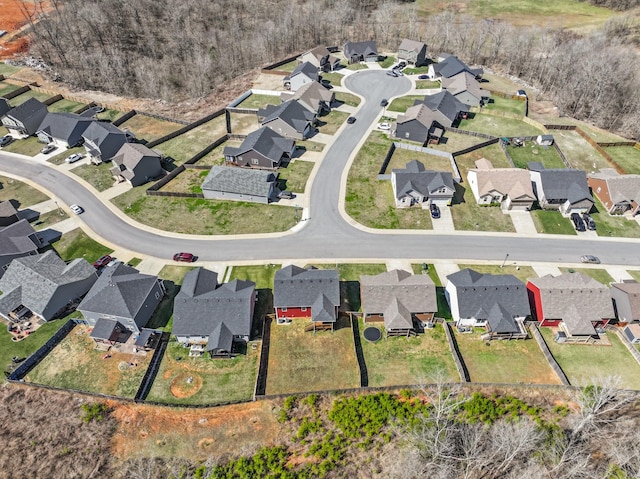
(423, 77)
(102, 261)
(48, 149)
(5, 140)
(184, 257)
(384, 102)
(384, 126)
(392, 73)
(76, 209)
(435, 211)
(577, 222)
(73, 158)
(588, 220)
(351, 120)
(286, 195)
(588, 258)
(400, 65)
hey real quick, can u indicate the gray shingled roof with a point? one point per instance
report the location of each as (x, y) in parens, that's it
(221, 338)
(25, 110)
(478, 293)
(323, 310)
(501, 321)
(297, 287)
(37, 278)
(7, 209)
(4, 106)
(119, 291)
(306, 68)
(106, 329)
(445, 103)
(201, 305)
(312, 94)
(364, 49)
(243, 181)
(291, 112)
(452, 65)
(565, 183)
(621, 187)
(64, 126)
(575, 323)
(18, 238)
(397, 316)
(265, 141)
(130, 154)
(415, 178)
(465, 81)
(105, 135)
(416, 292)
(411, 45)
(632, 289)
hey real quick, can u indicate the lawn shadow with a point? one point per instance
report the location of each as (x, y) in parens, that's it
(458, 196)
(350, 292)
(264, 306)
(163, 313)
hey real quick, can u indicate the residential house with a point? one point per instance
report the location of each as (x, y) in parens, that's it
(121, 299)
(497, 302)
(25, 119)
(400, 299)
(304, 73)
(239, 184)
(574, 302)
(262, 148)
(450, 65)
(42, 287)
(290, 119)
(618, 193)
(63, 129)
(466, 89)
(632, 332)
(211, 317)
(8, 214)
(102, 141)
(563, 189)
(544, 140)
(136, 163)
(413, 52)
(509, 187)
(414, 185)
(626, 301)
(313, 96)
(306, 293)
(356, 52)
(321, 58)
(4, 107)
(17, 240)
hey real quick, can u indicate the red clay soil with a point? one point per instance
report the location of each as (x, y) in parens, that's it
(12, 20)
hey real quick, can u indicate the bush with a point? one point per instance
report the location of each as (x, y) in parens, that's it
(93, 411)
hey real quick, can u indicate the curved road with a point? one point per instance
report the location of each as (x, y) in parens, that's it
(326, 235)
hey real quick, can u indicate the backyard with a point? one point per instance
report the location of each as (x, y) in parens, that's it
(294, 177)
(64, 105)
(243, 123)
(443, 306)
(6, 87)
(257, 100)
(401, 157)
(301, 360)
(97, 176)
(20, 99)
(498, 126)
(505, 361)
(189, 181)
(585, 363)
(522, 155)
(499, 105)
(552, 222)
(452, 142)
(22, 194)
(627, 157)
(187, 145)
(149, 128)
(580, 154)
(76, 244)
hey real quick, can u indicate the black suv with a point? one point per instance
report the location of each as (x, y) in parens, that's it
(5, 140)
(588, 220)
(577, 222)
(435, 211)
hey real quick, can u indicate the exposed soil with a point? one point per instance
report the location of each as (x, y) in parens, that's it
(12, 20)
(183, 387)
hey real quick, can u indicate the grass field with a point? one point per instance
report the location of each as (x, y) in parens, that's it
(262, 275)
(402, 103)
(148, 128)
(453, 142)
(427, 84)
(580, 154)
(187, 145)
(552, 222)
(523, 273)
(498, 126)
(173, 276)
(423, 359)
(256, 100)
(48, 219)
(7, 69)
(75, 364)
(514, 361)
(635, 274)
(6, 87)
(213, 381)
(189, 181)
(583, 363)
(499, 105)
(216, 156)
(64, 105)
(357, 66)
(401, 157)
(610, 226)
(294, 177)
(627, 157)
(532, 152)
(29, 146)
(598, 274)
(387, 62)
(76, 244)
(369, 200)
(309, 145)
(304, 361)
(109, 115)
(347, 98)
(329, 124)
(334, 78)
(20, 99)
(207, 217)
(412, 70)
(96, 175)
(288, 67)
(60, 157)
(22, 194)
(243, 123)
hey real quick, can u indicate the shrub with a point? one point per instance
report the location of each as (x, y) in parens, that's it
(93, 411)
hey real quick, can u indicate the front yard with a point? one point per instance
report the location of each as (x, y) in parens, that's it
(334, 78)
(401, 361)
(76, 244)
(598, 274)
(294, 177)
(531, 151)
(402, 103)
(48, 219)
(97, 176)
(22, 194)
(347, 98)
(552, 222)
(329, 124)
(523, 273)
(29, 146)
(514, 361)
(262, 275)
(611, 226)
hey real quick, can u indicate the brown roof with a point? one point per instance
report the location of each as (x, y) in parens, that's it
(464, 81)
(131, 153)
(7, 209)
(416, 292)
(632, 288)
(311, 94)
(411, 45)
(621, 187)
(419, 112)
(513, 182)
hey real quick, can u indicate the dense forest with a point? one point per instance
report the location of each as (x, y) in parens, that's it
(174, 49)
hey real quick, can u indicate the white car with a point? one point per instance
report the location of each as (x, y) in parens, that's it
(73, 158)
(384, 126)
(76, 209)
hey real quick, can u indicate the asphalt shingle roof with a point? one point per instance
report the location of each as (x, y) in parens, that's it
(307, 68)
(411, 45)
(291, 112)
(105, 329)
(360, 48)
(4, 106)
(298, 287)
(464, 81)
(130, 154)
(243, 181)
(621, 187)
(25, 110)
(452, 65)
(632, 289)
(415, 178)
(416, 292)
(67, 127)
(564, 183)
(265, 141)
(445, 103)
(18, 238)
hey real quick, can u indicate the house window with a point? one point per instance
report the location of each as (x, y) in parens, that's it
(599, 189)
(255, 161)
(406, 135)
(284, 310)
(304, 308)
(157, 295)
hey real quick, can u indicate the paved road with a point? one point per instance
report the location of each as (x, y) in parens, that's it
(326, 236)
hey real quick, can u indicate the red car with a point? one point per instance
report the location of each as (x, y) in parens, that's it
(184, 257)
(102, 261)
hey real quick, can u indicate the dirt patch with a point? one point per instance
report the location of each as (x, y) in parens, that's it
(186, 385)
(14, 22)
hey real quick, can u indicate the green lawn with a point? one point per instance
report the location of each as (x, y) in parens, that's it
(635, 274)
(329, 124)
(415, 70)
(580, 154)
(149, 128)
(600, 275)
(584, 363)
(370, 201)
(357, 66)
(216, 156)
(402, 103)
(60, 157)
(96, 175)
(334, 78)
(134, 262)
(452, 142)
(22, 194)
(256, 100)
(6, 87)
(552, 222)
(310, 145)
(173, 276)
(387, 62)
(20, 99)
(207, 217)
(200, 380)
(189, 181)
(443, 306)
(514, 361)
(7, 70)
(288, 67)
(401, 157)
(175, 273)
(608, 225)
(65, 105)
(498, 126)
(76, 244)
(627, 157)
(294, 177)
(504, 105)
(523, 273)
(262, 275)
(401, 361)
(306, 361)
(522, 155)
(29, 146)
(109, 115)
(426, 84)
(75, 364)
(243, 123)
(49, 219)
(347, 98)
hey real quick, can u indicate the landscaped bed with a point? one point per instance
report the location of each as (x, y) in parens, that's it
(187, 145)
(22, 194)
(423, 359)
(301, 360)
(585, 363)
(505, 361)
(149, 128)
(97, 176)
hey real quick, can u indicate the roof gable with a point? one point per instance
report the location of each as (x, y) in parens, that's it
(298, 287)
(239, 181)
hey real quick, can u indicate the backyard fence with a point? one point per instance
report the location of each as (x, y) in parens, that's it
(187, 128)
(165, 179)
(261, 379)
(50, 101)
(625, 340)
(471, 133)
(152, 370)
(455, 352)
(561, 155)
(18, 92)
(161, 117)
(273, 68)
(535, 332)
(127, 116)
(84, 108)
(484, 144)
(198, 156)
(560, 127)
(601, 150)
(605, 144)
(357, 344)
(174, 194)
(387, 159)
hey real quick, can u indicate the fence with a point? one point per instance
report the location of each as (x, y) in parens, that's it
(152, 370)
(362, 365)
(547, 354)
(600, 150)
(187, 128)
(628, 344)
(561, 155)
(127, 116)
(619, 143)
(455, 352)
(50, 101)
(18, 92)
(261, 379)
(163, 118)
(272, 69)
(386, 160)
(174, 194)
(493, 141)
(166, 179)
(198, 156)
(471, 133)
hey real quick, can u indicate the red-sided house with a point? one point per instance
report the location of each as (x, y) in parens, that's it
(574, 302)
(306, 293)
